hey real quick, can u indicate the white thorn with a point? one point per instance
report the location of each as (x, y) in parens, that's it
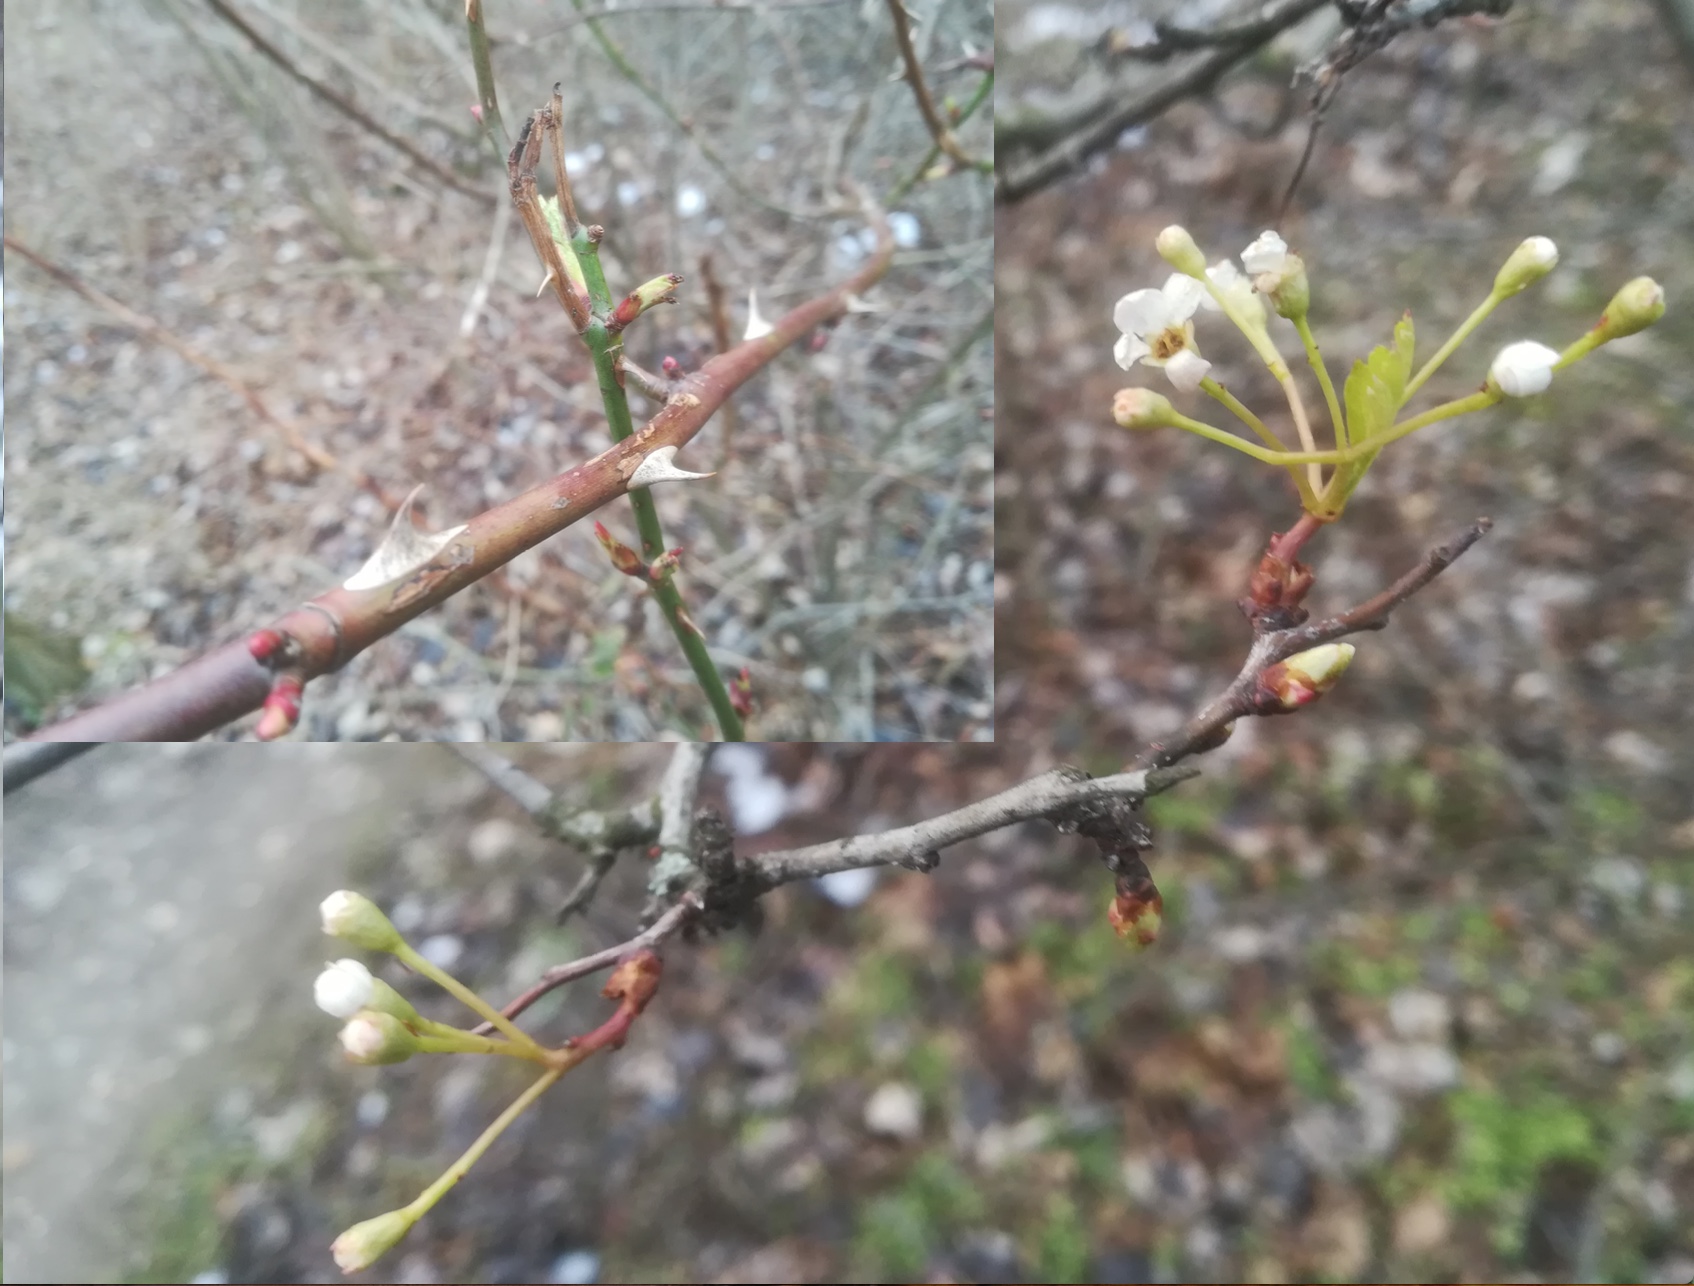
(757, 326)
(657, 467)
(857, 305)
(403, 550)
(545, 282)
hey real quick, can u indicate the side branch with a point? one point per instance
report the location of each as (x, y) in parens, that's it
(1244, 698)
(330, 630)
(938, 128)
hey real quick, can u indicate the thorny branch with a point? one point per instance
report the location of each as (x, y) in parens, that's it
(329, 631)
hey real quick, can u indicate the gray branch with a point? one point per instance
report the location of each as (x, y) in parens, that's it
(916, 846)
(677, 792)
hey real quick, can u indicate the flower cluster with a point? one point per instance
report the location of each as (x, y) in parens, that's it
(1157, 330)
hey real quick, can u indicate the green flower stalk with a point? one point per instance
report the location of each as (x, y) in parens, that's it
(1364, 417)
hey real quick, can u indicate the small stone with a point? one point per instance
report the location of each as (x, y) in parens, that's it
(492, 840)
(578, 1267)
(895, 1111)
(1422, 1226)
(1417, 1014)
(1412, 1068)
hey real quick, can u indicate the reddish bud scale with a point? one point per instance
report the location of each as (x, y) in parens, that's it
(634, 981)
(741, 693)
(670, 366)
(265, 644)
(666, 563)
(1276, 582)
(625, 559)
(1138, 909)
(281, 711)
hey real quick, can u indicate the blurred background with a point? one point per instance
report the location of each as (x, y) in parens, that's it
(1425, 1014)
(383, 306)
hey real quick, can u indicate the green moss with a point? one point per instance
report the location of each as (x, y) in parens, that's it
(1308, 1069)
(948, 1197)
(1348, 967)
(1502, 1140)
(1061, 1247)
(929, 1066)
(892, 1241)
(1607, 816)
(179, 1207)
(1179, 812)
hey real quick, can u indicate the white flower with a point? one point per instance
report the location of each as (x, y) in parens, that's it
(1238, 289)
(1266, 254)
(1523, 368)
(1157, 330)
(343, 988)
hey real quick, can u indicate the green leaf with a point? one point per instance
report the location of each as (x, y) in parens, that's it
(1374, 392)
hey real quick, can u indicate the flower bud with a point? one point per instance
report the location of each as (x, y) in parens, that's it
(355, 918)
(385, 1000)
(665, 564)
(373, 1037)
(1179, 250)
(1528, 264)
(281, 710)
(1141, 408)
(645, 296)
(1635, 307)
(1306, 676)
(1138, 909)
(1522, 369)
(1287, 288)
(365, 1243)
(625, 559)
(741, 693)
(343, 988)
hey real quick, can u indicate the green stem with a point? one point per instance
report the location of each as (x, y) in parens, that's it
(493, 126)
(1453, 341)
(910, 181)
(1343, 436)
(604, 346)
(441, 978)
(470, 1043)
(1223, 395)
(453, 1173)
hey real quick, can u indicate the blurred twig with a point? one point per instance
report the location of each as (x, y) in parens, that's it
(314, 454)
(493, 125)
(346, 106)
(905, 185)
(938, 128)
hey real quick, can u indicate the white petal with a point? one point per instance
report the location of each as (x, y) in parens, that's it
(1182, 296)
(1187, 369)
(1129, 349)
(1143, 312)
(1265, 254)
(343, 988)
(1523, 368)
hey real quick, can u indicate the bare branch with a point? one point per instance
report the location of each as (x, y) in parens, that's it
(347, 107)
(918, 846)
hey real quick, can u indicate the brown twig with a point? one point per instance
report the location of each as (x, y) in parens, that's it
(347, 107)
(666, 926)
(718, 307)
(156, 331)
(1243, 698)
(938, 128)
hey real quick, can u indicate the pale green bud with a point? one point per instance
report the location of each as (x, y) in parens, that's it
(1635, 307)
(1141, 408)
(355, 918)
(1528, 264)
(1178, 249)
(365, 1243)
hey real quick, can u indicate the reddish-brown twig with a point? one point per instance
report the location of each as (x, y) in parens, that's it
(666, 926)
(939, 130)
(1242, 698)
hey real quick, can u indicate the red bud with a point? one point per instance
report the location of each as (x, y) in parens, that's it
(281, 711)
(625, 559)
